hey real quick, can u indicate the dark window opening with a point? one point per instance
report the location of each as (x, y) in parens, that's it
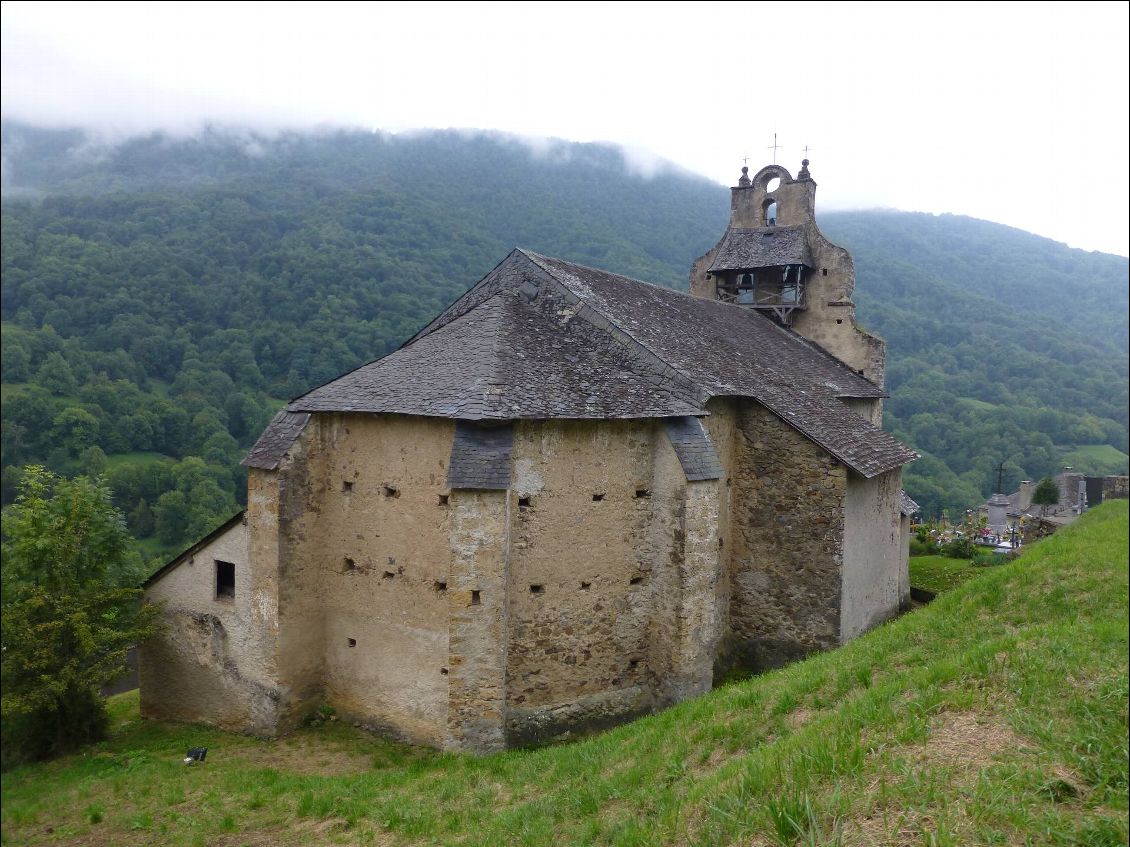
(352, 642)
(721, 543)
(839, 320)
(585, 586)
(350, 565)
(633, 663)
(476, 598)
(823, 272)
(387, 575)
(596, 498)
(537, 589)
(346, 487)
(523, 502)
(635, 580)
(745, 290)
(729, 482)
(444, 499)
(443, 671)
(439, 586)
(642, 492)
(389, 491)
(225, 580)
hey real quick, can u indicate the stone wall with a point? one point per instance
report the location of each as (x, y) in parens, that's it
(1116, 488)
(868, 408)
(214, 662)
(722, 426)
(479, 620)
(1035, 528)
(829, 319)
(283, 511)
(874, 565)
(381, 549)
(786, 527)
(906, 533)
(602, 585)
(583, 581)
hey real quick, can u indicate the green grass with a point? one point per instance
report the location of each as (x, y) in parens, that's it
(1097, 459)
(138, 457)
(980, 405)
(941, 573)
(995, 715)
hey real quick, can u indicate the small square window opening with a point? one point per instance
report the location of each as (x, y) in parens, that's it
(225, 580)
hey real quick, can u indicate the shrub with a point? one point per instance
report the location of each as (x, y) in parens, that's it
(960, 548)
(987, 559)
(70, 613)
(928, 547)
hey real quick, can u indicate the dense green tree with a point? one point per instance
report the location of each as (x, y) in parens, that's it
(1046, 494)
(170, 515)
(15, 362)
(141, 521)
(71, 610)
(55, 375)
(75, 429)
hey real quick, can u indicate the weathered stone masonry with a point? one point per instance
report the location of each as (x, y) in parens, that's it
(570, 499)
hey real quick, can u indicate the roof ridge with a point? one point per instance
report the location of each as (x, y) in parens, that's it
(612, 322)
(535, 256)
(447, 314)
(790, 333)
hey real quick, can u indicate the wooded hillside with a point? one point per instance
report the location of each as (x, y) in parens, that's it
(162, 297)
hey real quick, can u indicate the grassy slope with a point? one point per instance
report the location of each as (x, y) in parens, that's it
(941, 573)
(1095, 459)
(996, 715)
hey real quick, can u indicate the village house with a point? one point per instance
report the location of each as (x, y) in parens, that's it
(570, 499)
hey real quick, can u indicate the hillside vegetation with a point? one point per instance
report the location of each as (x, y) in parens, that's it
(161, 298)
(996, 715)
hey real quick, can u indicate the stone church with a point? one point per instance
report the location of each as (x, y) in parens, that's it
(570, 499)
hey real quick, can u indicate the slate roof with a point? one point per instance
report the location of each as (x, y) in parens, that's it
(480, 456)
(763, 247)
(543, 338)
(694, 448)
(907, 506)
(281, 432)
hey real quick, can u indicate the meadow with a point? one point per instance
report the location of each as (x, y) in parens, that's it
(995, 715)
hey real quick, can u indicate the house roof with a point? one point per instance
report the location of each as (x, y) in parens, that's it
(906, 505)
(762, 247)
(544, 338)
(269, 449)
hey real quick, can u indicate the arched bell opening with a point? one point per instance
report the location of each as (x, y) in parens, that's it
(769, 212)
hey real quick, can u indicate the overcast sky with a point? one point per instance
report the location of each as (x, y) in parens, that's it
(1015, 113)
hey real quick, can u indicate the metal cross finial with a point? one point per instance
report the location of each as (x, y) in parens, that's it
(775, 148)
(806, 149)
(1000, 478)
(745, 159)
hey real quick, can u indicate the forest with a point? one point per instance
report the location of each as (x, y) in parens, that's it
(162, 297)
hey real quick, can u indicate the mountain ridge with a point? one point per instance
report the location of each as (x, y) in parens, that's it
(208, 273)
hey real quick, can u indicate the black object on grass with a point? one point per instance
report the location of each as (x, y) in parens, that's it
(195, 754)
